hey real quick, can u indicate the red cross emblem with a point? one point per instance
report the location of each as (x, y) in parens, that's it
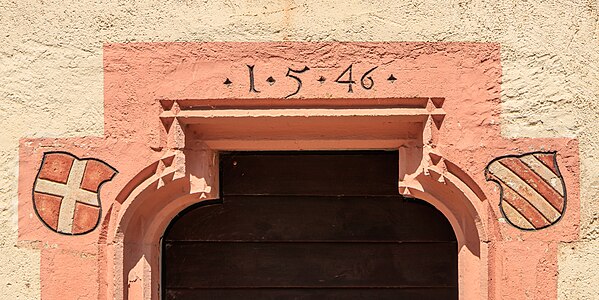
(66, 192)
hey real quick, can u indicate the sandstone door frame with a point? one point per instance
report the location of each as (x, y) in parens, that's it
(169, 108)
(136, 246)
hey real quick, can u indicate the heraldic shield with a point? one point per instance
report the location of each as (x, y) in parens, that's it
(66, 192)
(533, 193)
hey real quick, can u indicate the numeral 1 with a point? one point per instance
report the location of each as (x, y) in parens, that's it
(252, 86)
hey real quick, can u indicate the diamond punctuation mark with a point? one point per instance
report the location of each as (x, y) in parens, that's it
(271, 80)
(321, 79)
(392, 78)
(227, 82)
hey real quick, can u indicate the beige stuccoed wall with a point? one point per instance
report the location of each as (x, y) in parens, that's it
(51, 79)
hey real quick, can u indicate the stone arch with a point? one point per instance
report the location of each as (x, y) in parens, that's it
(158, 193)
(455, 194)
(129, 243)
(133, 232)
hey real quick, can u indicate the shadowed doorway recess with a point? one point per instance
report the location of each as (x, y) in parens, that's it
(310, 225)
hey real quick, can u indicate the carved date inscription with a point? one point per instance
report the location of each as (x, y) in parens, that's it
(346, 77)
(299, 81)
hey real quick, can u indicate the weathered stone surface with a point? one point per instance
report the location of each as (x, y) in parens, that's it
(85, 218)
(95, 174)
(56, 168)
(578, 275)
(48, 207)
(51, 77)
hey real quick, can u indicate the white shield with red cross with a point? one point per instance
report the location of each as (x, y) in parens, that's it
(66, 192)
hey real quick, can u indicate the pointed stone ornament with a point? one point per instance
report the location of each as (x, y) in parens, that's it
(227, 82)
(438, 120)
(435, 158)
(437, 102)
(441, 179)
(392, 78)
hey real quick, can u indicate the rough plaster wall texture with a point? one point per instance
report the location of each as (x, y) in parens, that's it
(51, 79)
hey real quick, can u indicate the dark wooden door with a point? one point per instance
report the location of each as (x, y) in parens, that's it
(310, 225)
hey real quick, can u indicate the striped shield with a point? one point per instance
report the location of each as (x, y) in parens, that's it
(533, 193)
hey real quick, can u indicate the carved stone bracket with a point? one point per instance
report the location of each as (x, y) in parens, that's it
(426, 162)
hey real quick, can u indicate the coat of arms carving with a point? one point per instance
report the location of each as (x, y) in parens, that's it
(533, 193)
(66, 192)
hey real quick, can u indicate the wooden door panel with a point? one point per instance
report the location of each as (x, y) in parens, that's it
(310, 225)
(310, 173)
(301, 264)
(314, 294)
(315, 218)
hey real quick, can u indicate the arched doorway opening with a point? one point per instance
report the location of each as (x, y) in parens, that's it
(317, 225)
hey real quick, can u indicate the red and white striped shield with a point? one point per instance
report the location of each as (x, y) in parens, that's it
(533, 193)
(66, 192)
